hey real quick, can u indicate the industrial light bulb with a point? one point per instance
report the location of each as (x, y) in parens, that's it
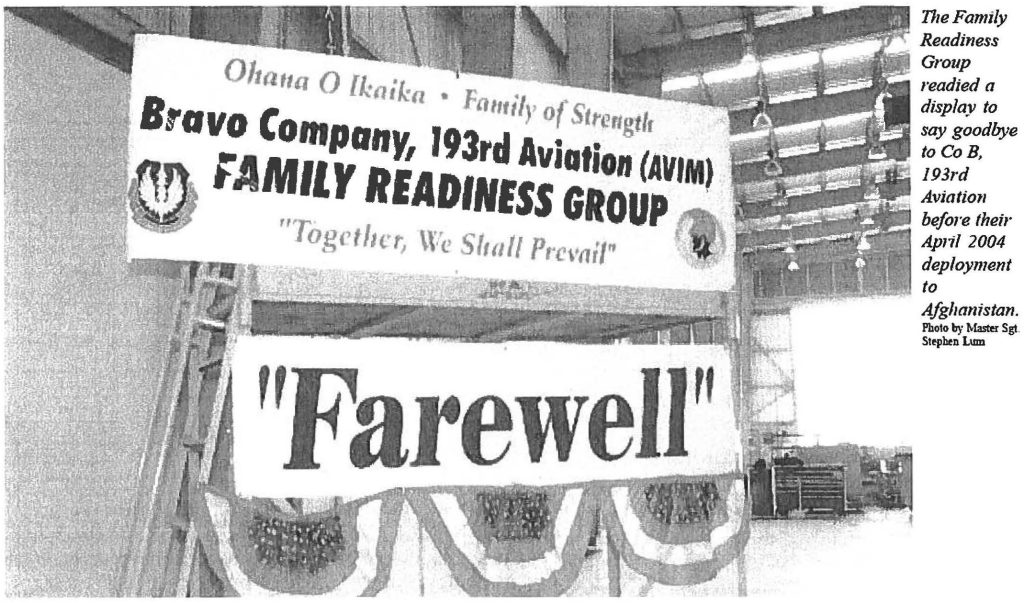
(896, 45)
(877, 152)
(761, 120)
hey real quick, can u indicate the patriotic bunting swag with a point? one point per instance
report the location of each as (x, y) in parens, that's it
(512, 541)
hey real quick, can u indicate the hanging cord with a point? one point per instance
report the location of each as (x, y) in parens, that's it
(761, 119)
(611, 48)
(346, 29)
(329, 20)
(772, 167)
(412, 38)
(346, 25)
(880, 85)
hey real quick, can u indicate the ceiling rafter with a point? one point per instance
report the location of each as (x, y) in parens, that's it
(820, 201)
(812, 33)
(817, 162)
(819, 230)
(818, 108)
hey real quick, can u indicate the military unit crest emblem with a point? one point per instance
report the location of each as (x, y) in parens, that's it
(161, 196)
(700, 238)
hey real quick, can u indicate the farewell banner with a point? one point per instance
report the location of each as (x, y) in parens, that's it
(322, 417)
(266, 156)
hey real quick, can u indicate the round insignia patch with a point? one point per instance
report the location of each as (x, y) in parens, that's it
(161, 196)
(700, 238)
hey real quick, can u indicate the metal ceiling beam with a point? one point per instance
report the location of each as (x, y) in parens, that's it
(520, 329)
(531, 318)
(356, 330)
(643, 327)
(842, 212)
(846, 196)
(812, 231)
(108, 44)
(783, 38)
(812, 109)
(836, 248)
(705, 90)
(677, 19)
(898, 149)
(381, 324)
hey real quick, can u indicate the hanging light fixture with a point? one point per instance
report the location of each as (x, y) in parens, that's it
(790, 251)
(883, 216)
(772, 167)
(875, 125)
(877, 152)
(896, 44)
(891, 178)
(780, 199)
(892, 175)
(863, 245)
(761, 120)
(867, 220)
(880, 99)
(749, 51)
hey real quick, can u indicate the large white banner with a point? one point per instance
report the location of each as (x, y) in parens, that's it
(266, 156)
(325, 417)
